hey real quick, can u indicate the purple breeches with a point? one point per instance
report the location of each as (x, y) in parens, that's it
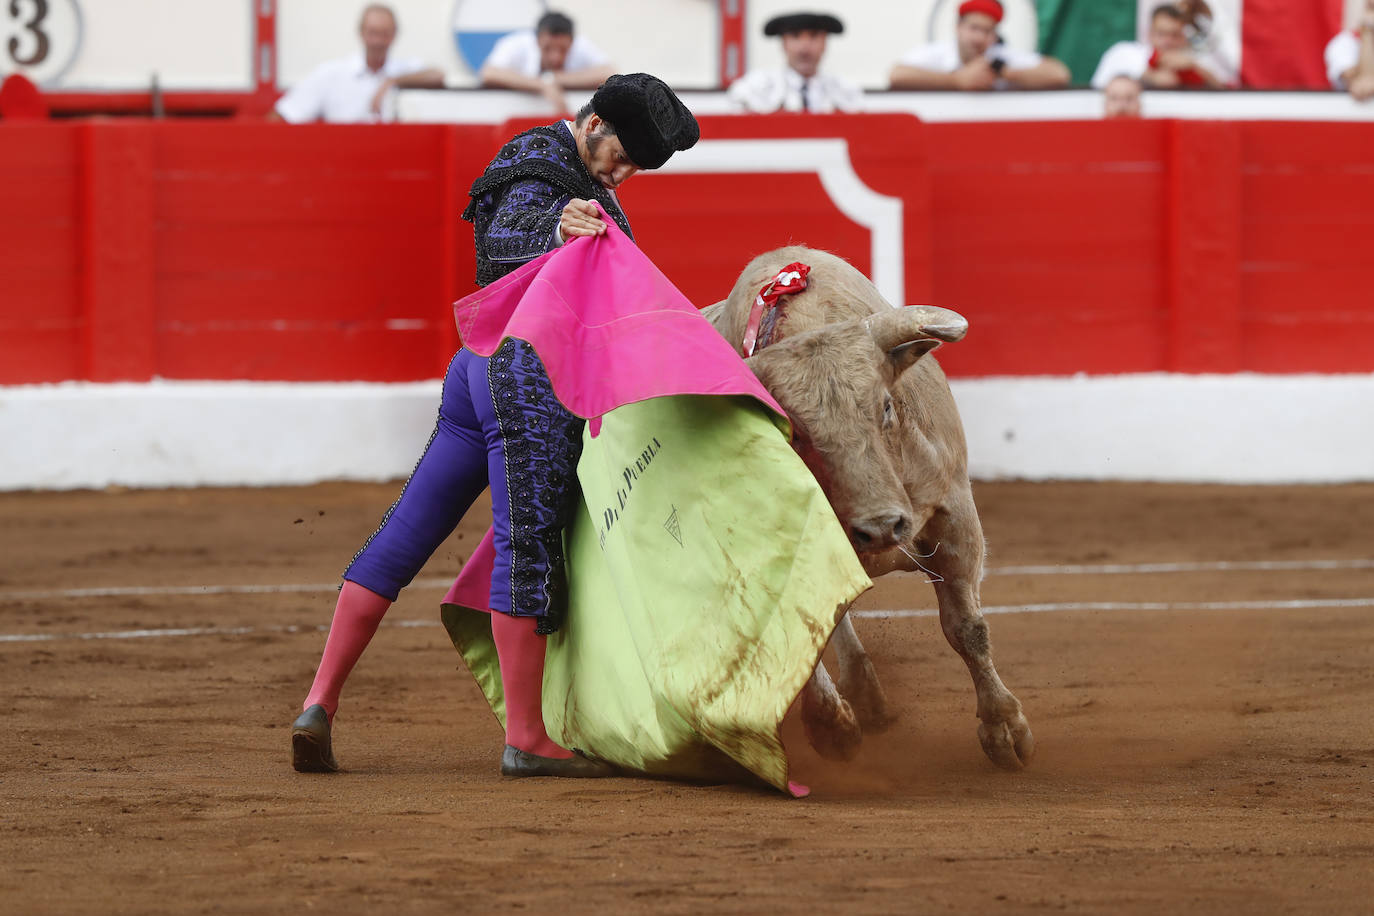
(499, 425)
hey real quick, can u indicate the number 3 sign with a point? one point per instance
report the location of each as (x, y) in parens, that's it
(39, 38)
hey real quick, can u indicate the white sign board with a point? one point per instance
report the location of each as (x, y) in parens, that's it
(119, 45)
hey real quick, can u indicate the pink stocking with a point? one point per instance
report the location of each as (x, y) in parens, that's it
(521, 652)
(356, 617)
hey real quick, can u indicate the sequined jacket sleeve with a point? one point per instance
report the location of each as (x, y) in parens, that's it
(517, 222)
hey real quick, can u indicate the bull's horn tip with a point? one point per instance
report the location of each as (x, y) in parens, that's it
(945, 332)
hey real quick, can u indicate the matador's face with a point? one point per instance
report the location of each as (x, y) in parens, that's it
(604, 156)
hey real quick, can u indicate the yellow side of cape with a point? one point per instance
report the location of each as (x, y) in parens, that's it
(706, 572)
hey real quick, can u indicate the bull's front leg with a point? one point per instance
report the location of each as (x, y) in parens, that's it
(1003, 731)
(858, 681)
(831, 726)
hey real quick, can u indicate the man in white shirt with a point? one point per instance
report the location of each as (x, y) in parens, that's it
(799, 86)
(1166, 61)
(546, 60)
(1350, 58)
(356, 90)
(976, 59)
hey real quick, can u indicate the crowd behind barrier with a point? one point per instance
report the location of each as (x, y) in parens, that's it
(1180, 49)
(1184, 45)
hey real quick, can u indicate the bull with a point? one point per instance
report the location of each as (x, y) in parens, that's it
(873, 419)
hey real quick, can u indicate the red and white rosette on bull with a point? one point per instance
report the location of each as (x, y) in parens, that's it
(768, 308)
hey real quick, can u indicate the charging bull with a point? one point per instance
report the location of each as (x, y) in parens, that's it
(874, 420)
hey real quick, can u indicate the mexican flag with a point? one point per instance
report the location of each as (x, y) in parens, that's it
(1256, 44)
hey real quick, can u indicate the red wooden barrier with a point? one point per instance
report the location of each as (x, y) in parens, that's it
(234, 250)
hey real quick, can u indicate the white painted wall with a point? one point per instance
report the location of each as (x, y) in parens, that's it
(120, 44)
(182, 434)
(1241, 428)
(1155, 427)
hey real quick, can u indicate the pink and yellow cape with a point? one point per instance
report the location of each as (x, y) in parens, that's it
(706, 570)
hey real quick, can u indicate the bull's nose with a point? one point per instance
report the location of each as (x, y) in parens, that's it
(879, 532)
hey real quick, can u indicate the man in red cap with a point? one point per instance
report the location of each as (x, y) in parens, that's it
(977, 59)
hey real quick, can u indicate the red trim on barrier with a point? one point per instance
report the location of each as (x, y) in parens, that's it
(732, 44)
(217, 104)
(264, 58)
(118, 296)
(1202, 256)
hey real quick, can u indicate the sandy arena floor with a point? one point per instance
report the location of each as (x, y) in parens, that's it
(1190, 759)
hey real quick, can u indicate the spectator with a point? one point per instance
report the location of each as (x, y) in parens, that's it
(1166, 61)
(353, 90)
(799, 86)
(1214, 39)
(1350, 58)
(546, 60)
(977, 59)
(1121, 98)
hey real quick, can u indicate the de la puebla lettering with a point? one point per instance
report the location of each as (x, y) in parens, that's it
(629, 476)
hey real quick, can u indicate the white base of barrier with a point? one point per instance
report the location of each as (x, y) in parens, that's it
(187, 434)
(1240, 428)
(1154, 427)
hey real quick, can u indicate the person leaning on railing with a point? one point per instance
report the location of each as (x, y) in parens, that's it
(1350, 58)
(977, 59)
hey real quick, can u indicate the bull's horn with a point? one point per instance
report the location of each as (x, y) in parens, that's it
(915, 322)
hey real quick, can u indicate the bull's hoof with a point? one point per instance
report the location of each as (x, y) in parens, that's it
(1008, 743)
(832, 729)
(868, 700)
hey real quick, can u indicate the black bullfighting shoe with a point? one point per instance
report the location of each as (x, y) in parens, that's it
(515, 762)
(311, 749)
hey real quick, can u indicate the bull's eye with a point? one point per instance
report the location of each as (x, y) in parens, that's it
(888, 410)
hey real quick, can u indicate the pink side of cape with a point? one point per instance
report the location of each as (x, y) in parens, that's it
(611, 330)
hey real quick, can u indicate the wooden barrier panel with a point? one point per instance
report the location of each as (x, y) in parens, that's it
(41, 317)
(1050, 239)
(233, 250)
(1307, 271)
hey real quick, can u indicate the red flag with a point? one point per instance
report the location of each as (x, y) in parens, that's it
(1282, 43)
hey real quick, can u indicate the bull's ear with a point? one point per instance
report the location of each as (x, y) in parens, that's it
(904, 357)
